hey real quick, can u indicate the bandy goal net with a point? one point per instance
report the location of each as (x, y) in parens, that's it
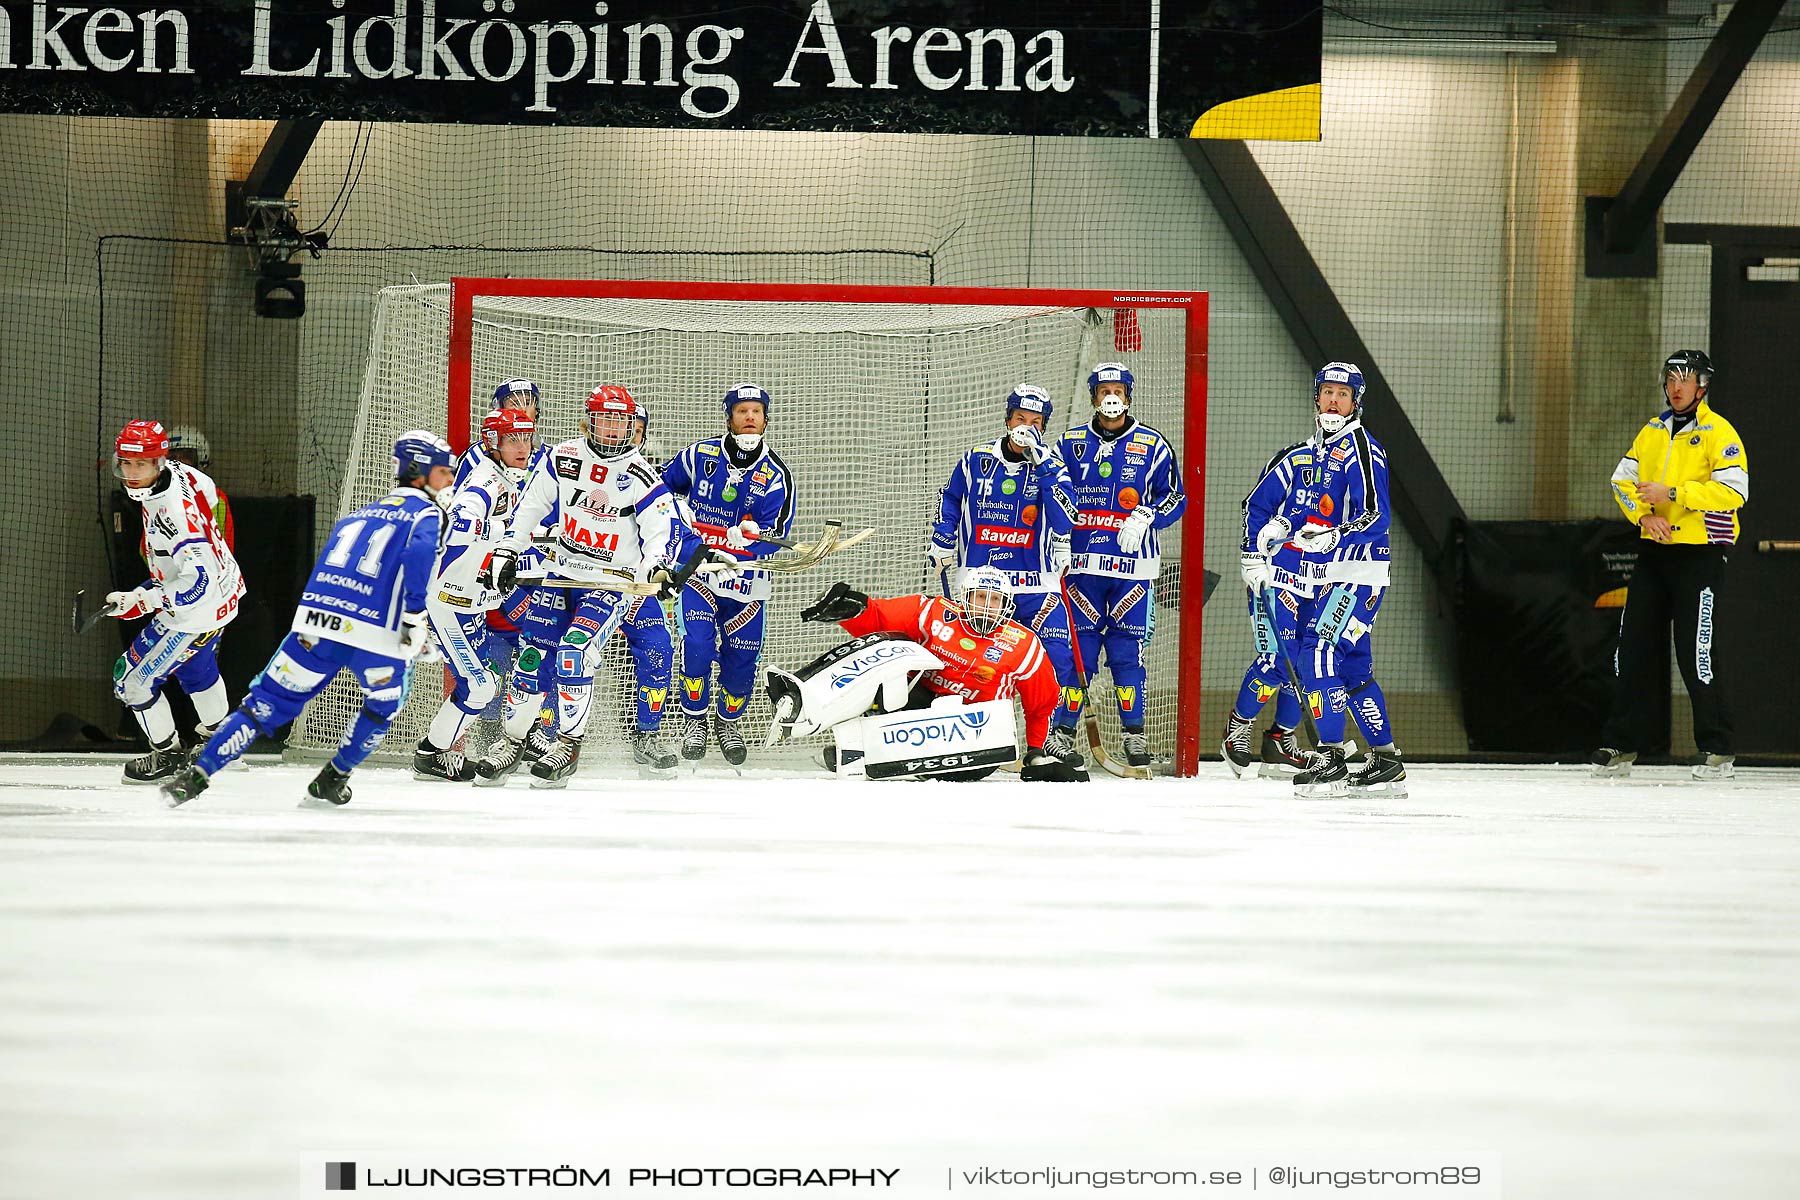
(875, 393)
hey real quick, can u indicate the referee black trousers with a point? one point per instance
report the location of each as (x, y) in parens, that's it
(1683, 585)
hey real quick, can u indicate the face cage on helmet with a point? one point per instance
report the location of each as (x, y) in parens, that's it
(984, 623)
(493, 449)
(1702, 378)
(610, 449)
(137, 492)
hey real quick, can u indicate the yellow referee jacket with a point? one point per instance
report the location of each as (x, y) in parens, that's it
(1706, 465)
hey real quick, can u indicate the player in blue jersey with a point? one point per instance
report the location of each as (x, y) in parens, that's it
(1285, 579)
(1339, 521)
(363, 610)
(1007, 506)
(737, 489)
(1127, 489)
(647, 639)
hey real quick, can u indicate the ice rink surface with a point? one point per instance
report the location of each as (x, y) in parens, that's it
(1599, 982)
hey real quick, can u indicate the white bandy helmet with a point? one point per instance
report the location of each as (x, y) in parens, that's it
(986, 615)
(186, 437)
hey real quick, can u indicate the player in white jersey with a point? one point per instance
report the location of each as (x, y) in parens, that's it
(192, 594)
(458, 601)
(613, 518)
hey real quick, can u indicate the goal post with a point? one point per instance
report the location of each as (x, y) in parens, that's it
(876, 391)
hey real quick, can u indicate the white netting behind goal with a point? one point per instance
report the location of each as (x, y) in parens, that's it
(871, 406)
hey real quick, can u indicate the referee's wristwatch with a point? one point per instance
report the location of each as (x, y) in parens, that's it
(1671, 488)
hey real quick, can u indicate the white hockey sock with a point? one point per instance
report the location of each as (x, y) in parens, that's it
(522, 709)
(448, 725)
(157, 722)
(572, 713)
(210, 705)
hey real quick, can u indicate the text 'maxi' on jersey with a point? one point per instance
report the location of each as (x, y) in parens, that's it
(609, 514)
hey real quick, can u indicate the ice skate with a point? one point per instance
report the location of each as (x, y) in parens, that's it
(431, 763)
(190, 782)
(1236, 746)
(649, 750)
(693, 739)
(501, 760)
(553, 770)
(1382, 775)
(1282, 757)
(202, 735)
(731, 742)
(1324, 774)
(1135, 745)
(162, 762)
(1073, 759)
(330, 788)
(538, 742)
(1613, 764)
(1709, 767)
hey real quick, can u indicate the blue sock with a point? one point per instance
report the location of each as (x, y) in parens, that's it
(365, 733)
(1370, 708)
(1287, 708)
(235, 735)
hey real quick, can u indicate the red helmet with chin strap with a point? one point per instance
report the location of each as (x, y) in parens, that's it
(611, 400)
(142, 439)
(503, 423)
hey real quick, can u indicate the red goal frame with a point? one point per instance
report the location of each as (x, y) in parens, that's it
(465, 290)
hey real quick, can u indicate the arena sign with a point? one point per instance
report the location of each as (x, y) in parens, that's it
(1114, 68)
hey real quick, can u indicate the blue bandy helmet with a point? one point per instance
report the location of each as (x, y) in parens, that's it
(417, 451)
(1340, 372)
(1349, 374)
(517, 387)
(1031, 399)
(1111, 372)
(743, 392)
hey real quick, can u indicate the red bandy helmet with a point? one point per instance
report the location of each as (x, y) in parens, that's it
(611, 420)
(142, 441)
(503, 423)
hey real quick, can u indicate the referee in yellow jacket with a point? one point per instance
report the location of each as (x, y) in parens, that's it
(1681, 484)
